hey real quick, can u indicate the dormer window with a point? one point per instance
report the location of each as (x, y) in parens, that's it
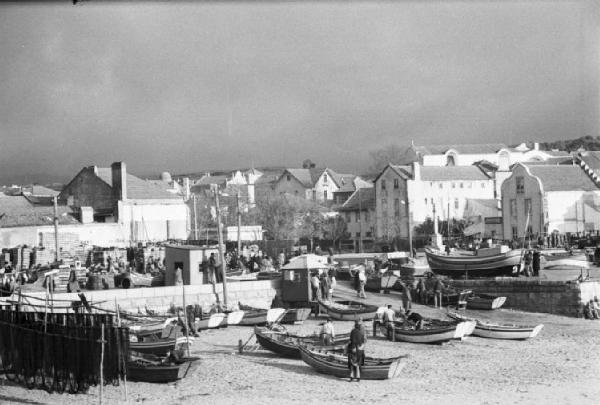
(325, 178)
(289, 178)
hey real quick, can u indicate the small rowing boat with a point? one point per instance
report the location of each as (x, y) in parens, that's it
(288, 345)
(501, 331)
(295, 315)
(434, 331)
(485, 301)
(348, 310)
(337, 365)
(159, 347)
(257, 316)
(143, 369)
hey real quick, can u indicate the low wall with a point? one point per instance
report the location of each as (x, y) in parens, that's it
(254, 293)
(554, 297)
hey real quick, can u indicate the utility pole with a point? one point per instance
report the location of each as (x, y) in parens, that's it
(195, 218)
(360, 238)
(221, 253)
(239, 224)
(410, 245)
(56, 244)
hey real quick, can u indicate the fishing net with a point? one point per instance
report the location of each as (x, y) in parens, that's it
(64, 353)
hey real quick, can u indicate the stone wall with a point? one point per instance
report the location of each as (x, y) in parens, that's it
(254, 293)
(554, 297)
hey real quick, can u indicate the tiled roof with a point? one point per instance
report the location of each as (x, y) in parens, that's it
(563, 178)
(307, 177)
(592, 160)
(363, 198)
(208, 180)
(474, 148)
(39, 191)
(449, 173)
(18, 211)
(138, 189)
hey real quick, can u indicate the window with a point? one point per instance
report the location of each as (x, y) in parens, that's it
(426, 201)
(366, 216)
(450, 160)
(325, 194)
(369, 234)
(288, 177)
(483, 184)
(357, 216)
(453, 185)
(440, 185)
(348, 217)
(314, 195)
(383, 184)
(456, 203)
(461, 185)
(513, 208)
(358, 234)
(527, 206)
(324, 177)
(515, 233)
(396, 183)
(520, 185)
(396, 208)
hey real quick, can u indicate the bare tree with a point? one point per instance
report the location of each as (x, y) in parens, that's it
(393, 154)
(335, 228)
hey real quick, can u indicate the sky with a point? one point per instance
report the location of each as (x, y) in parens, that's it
(185, 87)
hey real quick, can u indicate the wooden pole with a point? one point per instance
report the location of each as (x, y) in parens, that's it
(195, 218)
(56, 244)
(101, 361)
(360, 228)
(46, 308)
(239, 225)
(125, 363)
(187, 326)
(221, 253)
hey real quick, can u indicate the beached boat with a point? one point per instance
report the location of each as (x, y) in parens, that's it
(295, 315)
(243, 277)
(485, 301)
(501, 331)
(383, 281)
(434, 331)
(142, 330)
(159, 347)
(337, 365)
(489, 262)
(212, 321)
(288, 345)
(141, 369)
(348, 310)
(256, 316)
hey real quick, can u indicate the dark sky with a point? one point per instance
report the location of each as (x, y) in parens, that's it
(187, 87)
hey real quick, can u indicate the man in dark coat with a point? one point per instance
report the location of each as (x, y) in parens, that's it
(356, 351)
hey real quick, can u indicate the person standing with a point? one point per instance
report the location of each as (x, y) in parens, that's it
(327, 333)
(421, 291)
(314, 283)
(333, 281)
(389, 316)
(437, 293)
(528, 264)
(324, 284)
(211, 268)
(356, 351)
(362, 281)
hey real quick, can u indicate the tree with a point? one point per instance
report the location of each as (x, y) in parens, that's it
(393, 154)
(308, 164)
(336, 229)
(457, 226)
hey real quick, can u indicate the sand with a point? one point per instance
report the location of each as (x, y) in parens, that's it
(559, 366)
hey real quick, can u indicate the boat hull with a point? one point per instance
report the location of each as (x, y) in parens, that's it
(289, 345)
(506, 332)
(337, 365)
(460, 266)
(158, 348)
(441, 333)
(485, 302)
(213, 321)
(296, 315)
(157, 373)
(348, 310)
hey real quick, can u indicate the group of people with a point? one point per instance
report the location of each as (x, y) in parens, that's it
(388, 318)
(591, 310)
(322, 285)
(355, 349)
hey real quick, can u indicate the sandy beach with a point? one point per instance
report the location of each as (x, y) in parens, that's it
(560, 366)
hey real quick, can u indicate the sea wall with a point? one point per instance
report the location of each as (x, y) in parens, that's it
(254, 293)
(554, 297)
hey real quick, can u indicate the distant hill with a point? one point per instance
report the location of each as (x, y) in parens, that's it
(586, 142)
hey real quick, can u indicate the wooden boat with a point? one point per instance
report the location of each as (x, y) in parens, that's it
(153, 328)
(485, 301)
(489, 262)
(288, 345)
(348, 310)
(268, 275)
(212, 321)
(243, 277)
(140, 369)
(505, 331)
(257, 316)
(157, 347)
(383, 281)
(337, 365)
(434, 331)
(295, 315)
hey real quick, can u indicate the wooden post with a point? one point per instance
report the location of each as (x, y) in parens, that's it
(125, 362)
(221, 245)
(46, 309)
(56, 244)
(101, 361)
(187, 326)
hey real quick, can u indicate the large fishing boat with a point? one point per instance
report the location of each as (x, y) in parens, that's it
(487, 262)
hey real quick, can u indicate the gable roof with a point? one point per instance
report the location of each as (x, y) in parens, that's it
(404, 171)
(472, 148)
(138, 189)
(362, 198)
(450, 173)
(18, 211)
(562, 178)
(306, 177)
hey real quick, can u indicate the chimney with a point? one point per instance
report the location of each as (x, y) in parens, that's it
(186, 188)
(416, 171)
(119, 181)
(536, 146)
(94, 169)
